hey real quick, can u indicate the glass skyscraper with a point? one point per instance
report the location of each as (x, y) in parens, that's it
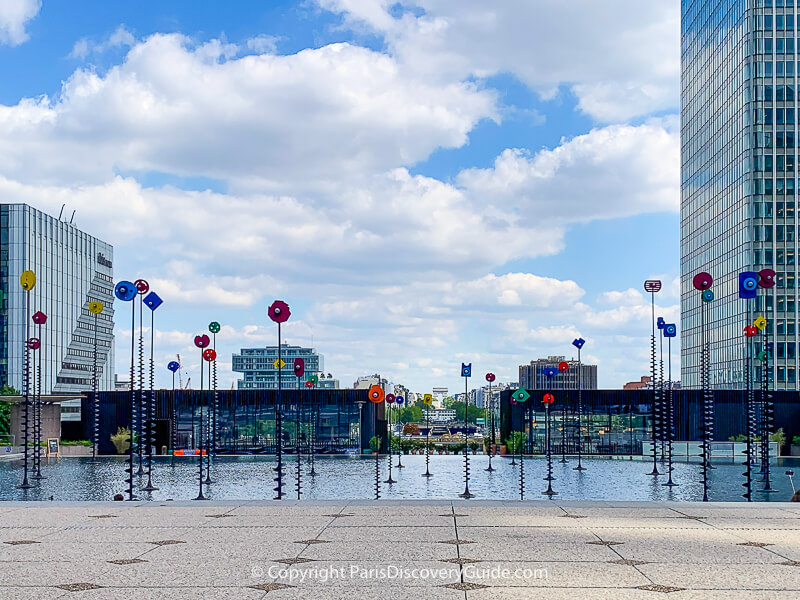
(72, 268)
(738, 181)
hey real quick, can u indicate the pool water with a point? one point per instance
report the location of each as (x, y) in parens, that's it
(353, 477)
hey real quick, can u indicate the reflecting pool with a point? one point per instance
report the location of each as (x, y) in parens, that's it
(352, 477)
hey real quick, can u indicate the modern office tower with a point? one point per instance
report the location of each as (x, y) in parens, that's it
(260, 372)
(738, 181)
(532, 377)
(72, 268)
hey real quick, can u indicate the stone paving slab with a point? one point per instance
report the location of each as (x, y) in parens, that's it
(486, 549)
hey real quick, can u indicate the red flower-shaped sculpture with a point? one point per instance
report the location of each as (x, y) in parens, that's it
(563, 366)
(309, 384)
(34, 343)
(490, 377)
(39, 318)
(142, 286)
(376, 394)
(202, 341)
(548, 399)
(209, 354)
(702, 281)
(390, 398)
(766, 278)
(750, 331)
(279, 311)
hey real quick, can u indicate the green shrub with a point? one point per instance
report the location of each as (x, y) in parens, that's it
(375, 443)
(122, 440)
(77, 443)
(514, 442)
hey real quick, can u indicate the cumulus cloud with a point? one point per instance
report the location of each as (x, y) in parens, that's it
(619, 57)
(14, 15)
(121, 38)
(256, 121)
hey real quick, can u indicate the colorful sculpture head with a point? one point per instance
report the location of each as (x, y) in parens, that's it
(376, 394)
(125, 291)
(27, 280)
(548, 398)
(39, 318)
(766, 278)
(466, 370)
(202, 341)
(153, 301)
(520, 395)
(173, 365)
(299, 367)
(142, 287)
(313, 378)
(214, 327)
(707, 295)
(760, 322)
(549, 372)
(309, 384)
(702, 281)
(34, 343)
(490, 377)
(748, 284)
(209, 354)
(563, 366)
(399, 399)
(660, 322)
(578, 343)
(652, 285)
(95, 307)
(427, 399)
(670, 330)
(750, 331)
(279, 311)
(390, 398)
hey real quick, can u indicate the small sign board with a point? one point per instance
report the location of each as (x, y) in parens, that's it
(53, 448)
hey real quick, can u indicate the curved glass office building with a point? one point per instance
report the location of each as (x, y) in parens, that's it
(738, 183)
(72, 268)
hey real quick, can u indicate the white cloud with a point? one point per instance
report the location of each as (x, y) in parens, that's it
(257, 121)
(620, 57)
(121, 38)
(263, 44)
(14, 15)
(615, 171)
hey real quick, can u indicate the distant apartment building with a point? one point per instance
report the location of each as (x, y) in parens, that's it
(532, 377)
(260, 373)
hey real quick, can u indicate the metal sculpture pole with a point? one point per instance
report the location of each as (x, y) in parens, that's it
(141, 287)
(767, 281)
(153, 301)
(27, 280)
(279, 313)
(173, 366)
(376, 395)
(703, 282)
(390, 400)
(427, 400)
(466, 373)
(652, 286)
(670, 330)
(126, 291)
(95, 308)
(520, 396)
(550, 492)
(563, 367)
(748, 290)
(210, 356)
(661, 408)
(490, 378)
(522, 458)
(214, 327)
(200, 495)
(578, 343)
(399, 400)
(39, 318)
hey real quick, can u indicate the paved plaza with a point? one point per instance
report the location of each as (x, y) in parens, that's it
(426, 550)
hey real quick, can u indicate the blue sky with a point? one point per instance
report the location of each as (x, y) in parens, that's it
(425, 183)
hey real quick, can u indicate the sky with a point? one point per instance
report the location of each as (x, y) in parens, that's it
(425, 183)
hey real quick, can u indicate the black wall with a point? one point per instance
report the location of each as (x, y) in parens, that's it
(115, 408)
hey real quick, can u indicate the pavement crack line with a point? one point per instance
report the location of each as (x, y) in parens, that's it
(458, 548)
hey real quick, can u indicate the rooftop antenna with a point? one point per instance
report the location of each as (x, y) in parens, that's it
(62, 211)
(72, 217)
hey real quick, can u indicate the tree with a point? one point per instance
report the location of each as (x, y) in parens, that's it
(411, 414)
(5, 410)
